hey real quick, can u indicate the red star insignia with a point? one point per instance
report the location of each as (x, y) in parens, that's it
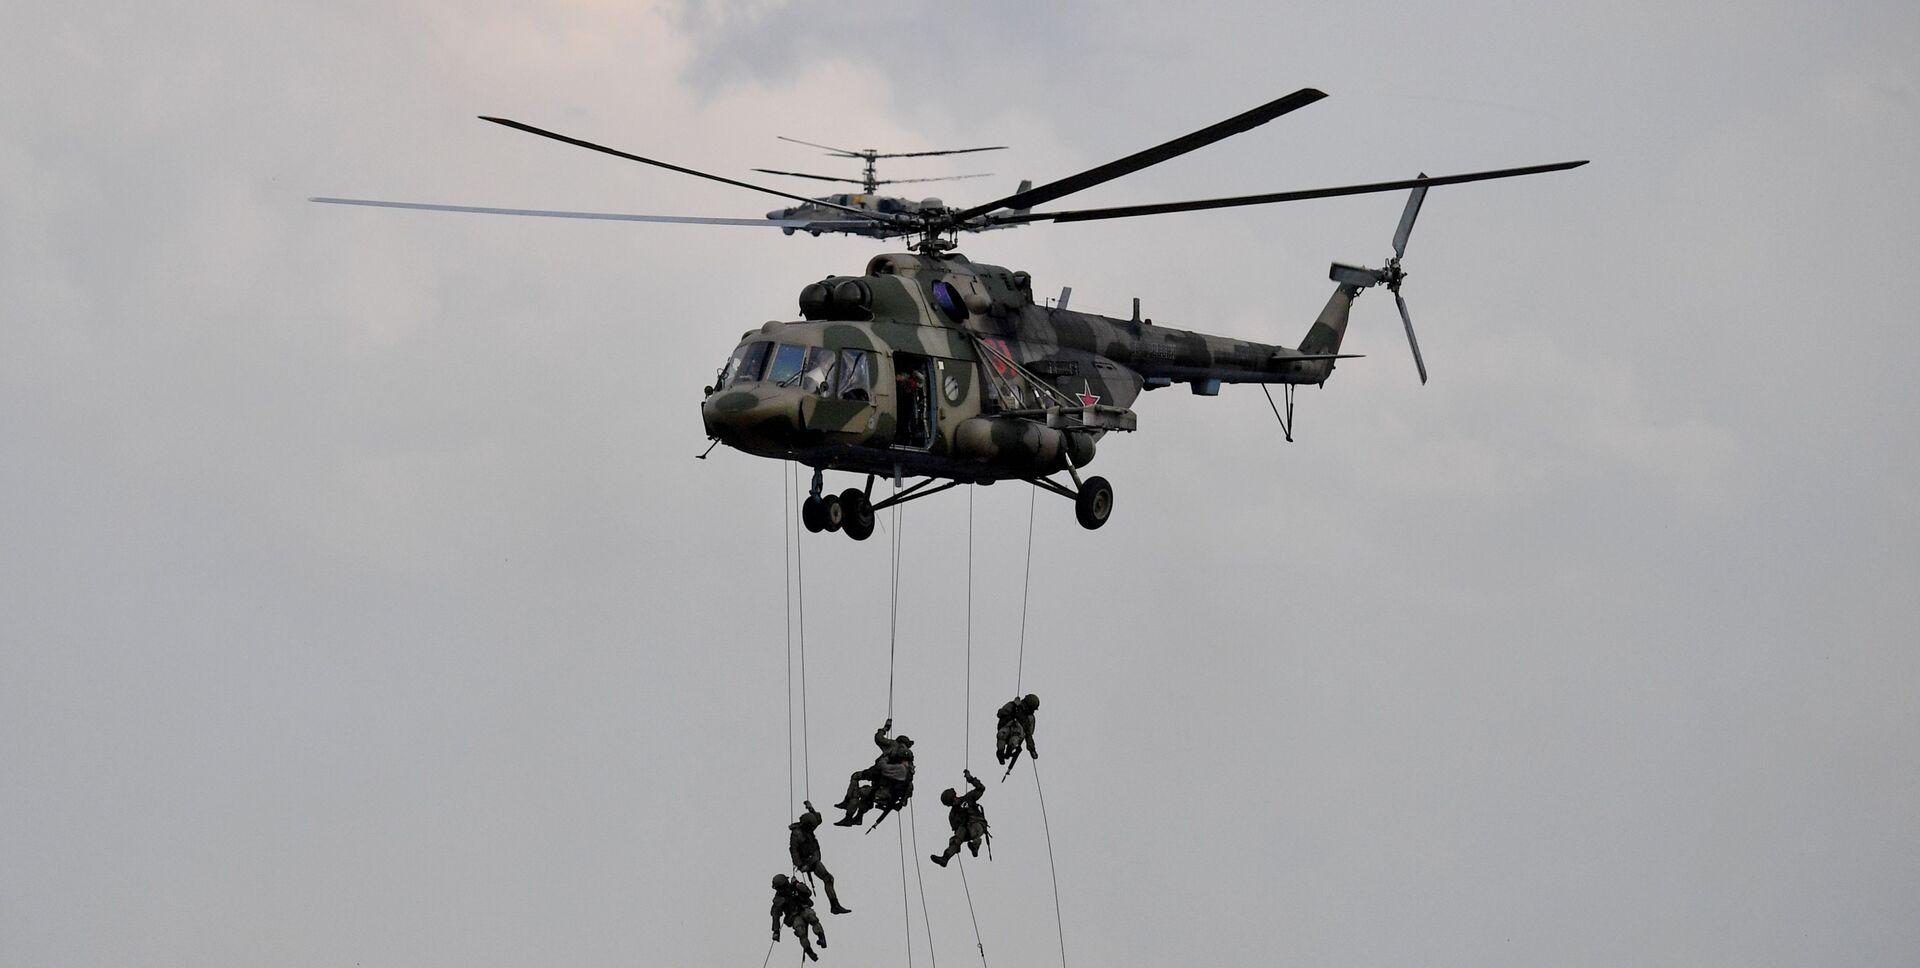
(1087, 397)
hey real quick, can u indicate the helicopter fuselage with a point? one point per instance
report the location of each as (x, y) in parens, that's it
(933, 365)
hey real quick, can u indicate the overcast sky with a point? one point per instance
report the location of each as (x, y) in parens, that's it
(362, 605)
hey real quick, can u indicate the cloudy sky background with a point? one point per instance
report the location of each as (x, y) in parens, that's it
(362, 603)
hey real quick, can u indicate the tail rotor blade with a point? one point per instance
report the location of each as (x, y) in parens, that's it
(1408, 321)
(1412, 212)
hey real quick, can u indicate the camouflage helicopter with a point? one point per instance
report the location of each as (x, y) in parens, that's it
(932, 366)
(822, 219)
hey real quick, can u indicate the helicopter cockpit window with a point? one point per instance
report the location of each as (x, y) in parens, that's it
(856, 379)
(787, 363)
(818, 376)
(746, 364)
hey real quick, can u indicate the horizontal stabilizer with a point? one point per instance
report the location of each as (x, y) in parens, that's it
(1311, 357)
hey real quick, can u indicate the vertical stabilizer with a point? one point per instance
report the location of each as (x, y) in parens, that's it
(1331, 326)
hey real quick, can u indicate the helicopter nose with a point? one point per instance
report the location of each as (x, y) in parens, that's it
(753, 414)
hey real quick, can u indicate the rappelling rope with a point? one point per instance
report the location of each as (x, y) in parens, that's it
(800, 585)
(906, 912)
(926, 923)
(893, 625)
(966, 758)
(1058, 924)
(786, 562)
(976, 918)
(1025, 590)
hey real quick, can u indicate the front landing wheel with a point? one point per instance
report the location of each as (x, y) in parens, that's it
(1094, 504)
(856, 514)
(813, 514)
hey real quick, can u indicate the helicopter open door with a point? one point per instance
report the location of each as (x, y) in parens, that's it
(917, 417)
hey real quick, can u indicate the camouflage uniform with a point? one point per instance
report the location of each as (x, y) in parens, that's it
(803, 846)
(1016, 728)
(968, 820)
(888, 783)
(793, 906)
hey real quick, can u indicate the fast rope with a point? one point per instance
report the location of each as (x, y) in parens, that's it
(1058, 924)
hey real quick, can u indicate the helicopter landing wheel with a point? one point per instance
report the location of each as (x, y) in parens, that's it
(813, 514)
(1094, 504)
(832, 515)
(856, 514)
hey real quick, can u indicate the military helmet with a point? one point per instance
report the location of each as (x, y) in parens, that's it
(947, 796)
(903, 739)
(1031, 702)
(779, 881)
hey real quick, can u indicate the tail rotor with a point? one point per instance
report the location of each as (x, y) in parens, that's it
(1391, 275)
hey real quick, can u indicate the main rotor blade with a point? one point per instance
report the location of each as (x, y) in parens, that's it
(1129, 211)
(610, 216)
(617, 153)
(1406, 219)
(1407, 321)
(802, 174)
(1152, 156)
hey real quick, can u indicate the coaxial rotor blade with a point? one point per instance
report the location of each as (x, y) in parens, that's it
(1151, 156)
(1130, 211)
(909, 181)
(837, 151)
(1406, 220)
(947, 151)
(802, 174)
(1407, 321)
(617, 153)
(543, 213)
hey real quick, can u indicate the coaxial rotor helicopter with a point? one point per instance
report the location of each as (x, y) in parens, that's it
(932, 366)
(869, 197)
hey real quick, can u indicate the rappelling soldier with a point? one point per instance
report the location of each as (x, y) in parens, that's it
(793, 906)
(965, 816)
(1016, 728)
(888, 783)
(804, 848)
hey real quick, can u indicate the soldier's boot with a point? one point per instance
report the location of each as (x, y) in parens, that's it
(974, 845)
(833, 899)
(853, 792)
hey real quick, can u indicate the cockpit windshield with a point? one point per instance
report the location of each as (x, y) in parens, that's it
(818, 376)
(746, 364)
(787, 363)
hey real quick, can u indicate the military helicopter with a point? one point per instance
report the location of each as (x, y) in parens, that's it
(869, 197)
(932, 366)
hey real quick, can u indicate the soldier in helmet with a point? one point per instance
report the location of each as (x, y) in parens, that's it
(804, 848)
(1016, 728)
(793, 906)
(888, 783)
(965, 816)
